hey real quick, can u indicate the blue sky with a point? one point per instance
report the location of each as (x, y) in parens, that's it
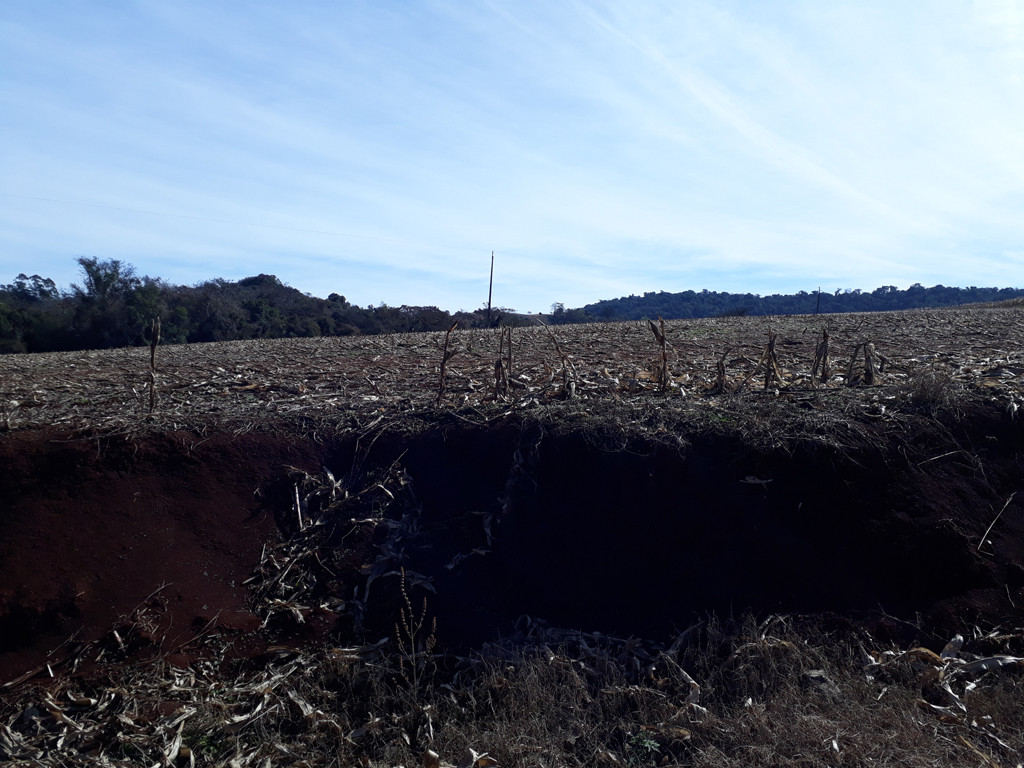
(382, 150)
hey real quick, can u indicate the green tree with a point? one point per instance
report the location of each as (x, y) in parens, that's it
(11, 330)
(104, 281)
(265, 320)
(31, 289)
(101, 318)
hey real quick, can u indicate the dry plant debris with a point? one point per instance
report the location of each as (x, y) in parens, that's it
(352, 380)
(759, 695)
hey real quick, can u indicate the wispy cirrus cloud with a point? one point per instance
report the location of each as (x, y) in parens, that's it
(600, 148)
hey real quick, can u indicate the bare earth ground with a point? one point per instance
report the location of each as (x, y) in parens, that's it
(604, 495)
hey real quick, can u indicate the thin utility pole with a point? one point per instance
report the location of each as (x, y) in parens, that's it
(490, 288)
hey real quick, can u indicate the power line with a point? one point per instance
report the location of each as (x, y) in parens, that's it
(240, 223)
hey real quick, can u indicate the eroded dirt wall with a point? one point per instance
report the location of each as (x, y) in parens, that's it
(582, 527)
(93, 527)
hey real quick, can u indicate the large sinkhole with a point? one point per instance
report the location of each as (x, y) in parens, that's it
(645, 536)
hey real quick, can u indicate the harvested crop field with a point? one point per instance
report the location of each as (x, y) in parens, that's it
(741, 541)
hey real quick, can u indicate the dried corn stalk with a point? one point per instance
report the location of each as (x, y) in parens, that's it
(662, 374)
(821, 370)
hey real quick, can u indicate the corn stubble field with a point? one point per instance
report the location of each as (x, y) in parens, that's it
(790, 541)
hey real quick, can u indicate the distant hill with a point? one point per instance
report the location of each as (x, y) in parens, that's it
(705, 303)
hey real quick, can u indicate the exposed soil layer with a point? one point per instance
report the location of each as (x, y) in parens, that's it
(94, 527)
(552, 514)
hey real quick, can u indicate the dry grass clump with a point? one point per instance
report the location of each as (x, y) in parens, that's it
(782, 692)
(780, 699)
(755, 694)
(932, 389)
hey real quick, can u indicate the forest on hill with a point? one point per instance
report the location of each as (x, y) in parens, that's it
(114, 307)
(692, 304)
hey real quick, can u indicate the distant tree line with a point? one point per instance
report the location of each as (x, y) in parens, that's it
(114, 307)
(692, 304)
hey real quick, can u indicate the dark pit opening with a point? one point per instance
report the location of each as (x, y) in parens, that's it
(646, 537)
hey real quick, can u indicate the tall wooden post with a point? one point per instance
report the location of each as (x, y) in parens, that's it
(490, 288)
